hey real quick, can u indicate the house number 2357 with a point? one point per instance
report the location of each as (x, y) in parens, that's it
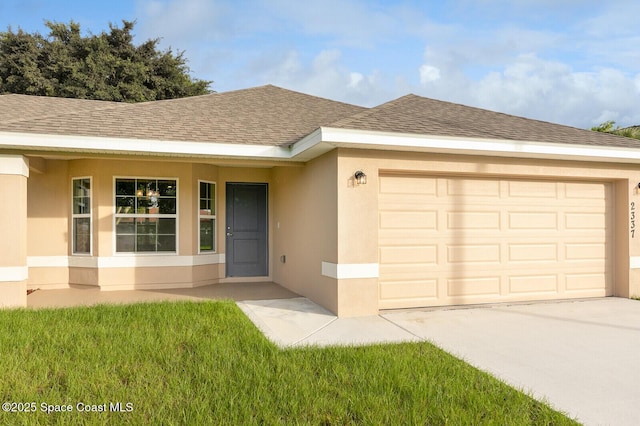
(632, 215)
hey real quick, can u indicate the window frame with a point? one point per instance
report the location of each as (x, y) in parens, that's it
(134, 215)
(208, 216)
(81, 216)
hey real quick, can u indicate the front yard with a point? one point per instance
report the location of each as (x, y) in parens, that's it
(205, 363)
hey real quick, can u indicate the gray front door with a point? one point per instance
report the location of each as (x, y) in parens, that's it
(247, 254)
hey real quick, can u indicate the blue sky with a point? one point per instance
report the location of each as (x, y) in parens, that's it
(574, 62)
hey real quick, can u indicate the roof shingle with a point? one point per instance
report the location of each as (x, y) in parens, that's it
(266, 115)
(413, 114)
(269, 115)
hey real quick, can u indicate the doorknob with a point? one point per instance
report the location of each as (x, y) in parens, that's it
(229, 234)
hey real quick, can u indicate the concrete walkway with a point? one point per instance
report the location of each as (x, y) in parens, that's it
(583, 357)
(300, 322)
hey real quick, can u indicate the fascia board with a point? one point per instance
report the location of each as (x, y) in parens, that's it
(319, 142)
(491, 147)
(88, 144)
(310, 147)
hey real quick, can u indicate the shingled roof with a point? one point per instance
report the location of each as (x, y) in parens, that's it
(266, 115)
(269, 115)
(413, 114)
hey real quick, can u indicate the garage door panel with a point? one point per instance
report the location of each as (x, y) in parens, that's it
(585, 251)
(585, 281)
(473, 220)
(536, 189)
(408, 271)
(533, 220)
(409, 254)
(474, 188)
(462, 240)
(423, 289)
(473, 286)
(585, 221)
(533, 284)
(533, 252)
(586, 191)
(472, 253)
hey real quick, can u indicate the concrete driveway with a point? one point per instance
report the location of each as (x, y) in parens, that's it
(582, 357)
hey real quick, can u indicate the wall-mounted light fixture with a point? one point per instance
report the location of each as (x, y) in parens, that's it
(360, 177)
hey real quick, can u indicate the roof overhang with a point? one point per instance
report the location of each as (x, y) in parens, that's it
(139, 147)
(326, 138)
(320, 141)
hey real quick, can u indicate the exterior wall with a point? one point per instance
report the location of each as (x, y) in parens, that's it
(323, 228)
(13, 229)
(626, 280)
(358, 205)
(306, 228)
(53, 265)
(358, 240)
(49, 190)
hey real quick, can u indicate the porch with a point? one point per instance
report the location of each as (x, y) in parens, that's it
(87, 296)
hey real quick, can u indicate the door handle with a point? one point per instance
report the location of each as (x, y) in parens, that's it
(229, 234)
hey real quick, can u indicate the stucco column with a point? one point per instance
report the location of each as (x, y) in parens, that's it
(14, 171)
(357, 270)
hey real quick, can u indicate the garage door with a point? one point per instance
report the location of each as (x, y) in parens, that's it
(452, 241)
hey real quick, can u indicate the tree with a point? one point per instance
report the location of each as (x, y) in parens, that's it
(607, 127)
(107, 66)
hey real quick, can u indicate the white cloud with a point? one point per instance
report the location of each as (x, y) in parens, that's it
(325, 75)
(546, 90)
(355, 78)
(429, 74)
(183, 22)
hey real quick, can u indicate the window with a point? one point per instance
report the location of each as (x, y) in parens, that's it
(207, 216)
(81, 215)
(146, 215)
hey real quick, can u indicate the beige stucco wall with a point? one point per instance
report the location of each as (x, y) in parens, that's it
(49, 225)
(358, 236)
(13, 223)
(358, 220)
(317, 214)
(13, 229)
(306, 228)
(49, 203)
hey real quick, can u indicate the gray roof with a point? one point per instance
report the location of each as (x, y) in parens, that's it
(418, 115)
(266, 115)
(270, 115)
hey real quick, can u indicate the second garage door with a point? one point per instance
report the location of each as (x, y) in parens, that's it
(451, 241)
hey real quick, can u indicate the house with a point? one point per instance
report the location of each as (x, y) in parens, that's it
(413, 203)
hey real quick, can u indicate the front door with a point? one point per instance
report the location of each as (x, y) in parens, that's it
(247, 253)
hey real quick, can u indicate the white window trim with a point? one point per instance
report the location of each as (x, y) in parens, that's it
(84, 215)
(176, 216)
(208, 216)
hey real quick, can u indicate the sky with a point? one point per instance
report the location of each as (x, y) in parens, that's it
(574, 62)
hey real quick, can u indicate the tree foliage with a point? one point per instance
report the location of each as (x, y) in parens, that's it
(106, 66)
(608, 127)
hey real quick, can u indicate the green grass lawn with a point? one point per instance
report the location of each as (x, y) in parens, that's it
(205, 363)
